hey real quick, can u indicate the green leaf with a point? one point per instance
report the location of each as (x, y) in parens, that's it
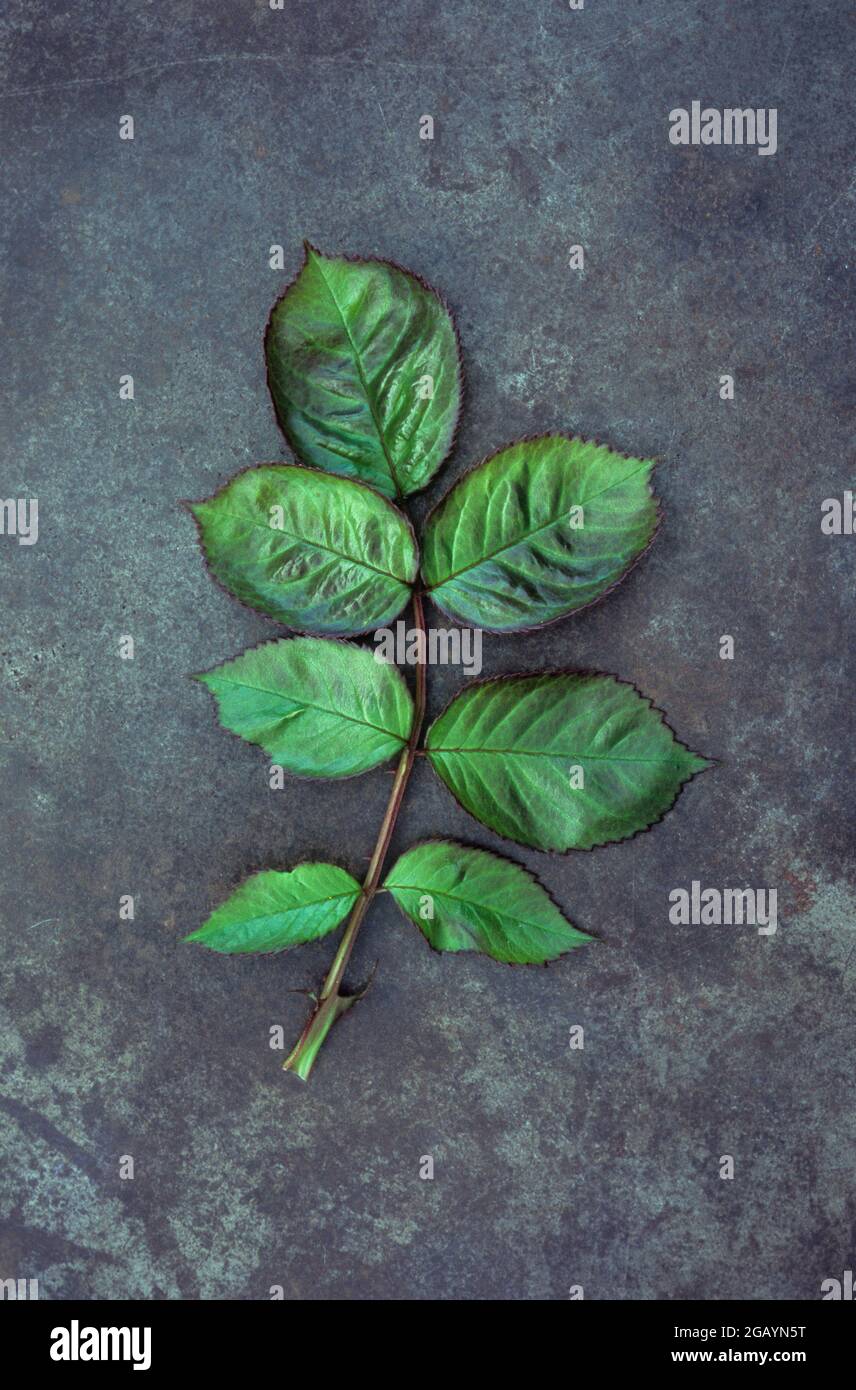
(537, 531)
(561, 760)
(319, 708)
(480, 902)
(349, 347)
(272, 910)
(319, 553)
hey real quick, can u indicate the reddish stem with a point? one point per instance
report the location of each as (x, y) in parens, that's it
(331, 1004)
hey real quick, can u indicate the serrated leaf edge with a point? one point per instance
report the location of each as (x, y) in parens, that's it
(309, 248)
(249, 743)
(193, 937)
(659, 517)
(188, 505)
(573, 671)
(507, 859)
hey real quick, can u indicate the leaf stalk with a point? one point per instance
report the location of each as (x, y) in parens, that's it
(331, 1002)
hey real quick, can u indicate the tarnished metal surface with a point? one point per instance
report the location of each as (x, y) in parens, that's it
(552, 1167)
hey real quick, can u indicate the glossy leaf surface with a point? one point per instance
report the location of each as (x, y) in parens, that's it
(319, 708)
(559, 760)
(537, 531)
(272, 910)
(364, 372)
(317, 552)
(465, 899)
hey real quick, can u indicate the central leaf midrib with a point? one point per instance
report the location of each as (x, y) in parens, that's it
(548, 753)
(307, 540)
(500, 912)
(309, 704)
(298, 907)
(527, 534)
(363, 382)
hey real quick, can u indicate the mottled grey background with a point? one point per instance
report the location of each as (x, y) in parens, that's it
(553, 1167)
